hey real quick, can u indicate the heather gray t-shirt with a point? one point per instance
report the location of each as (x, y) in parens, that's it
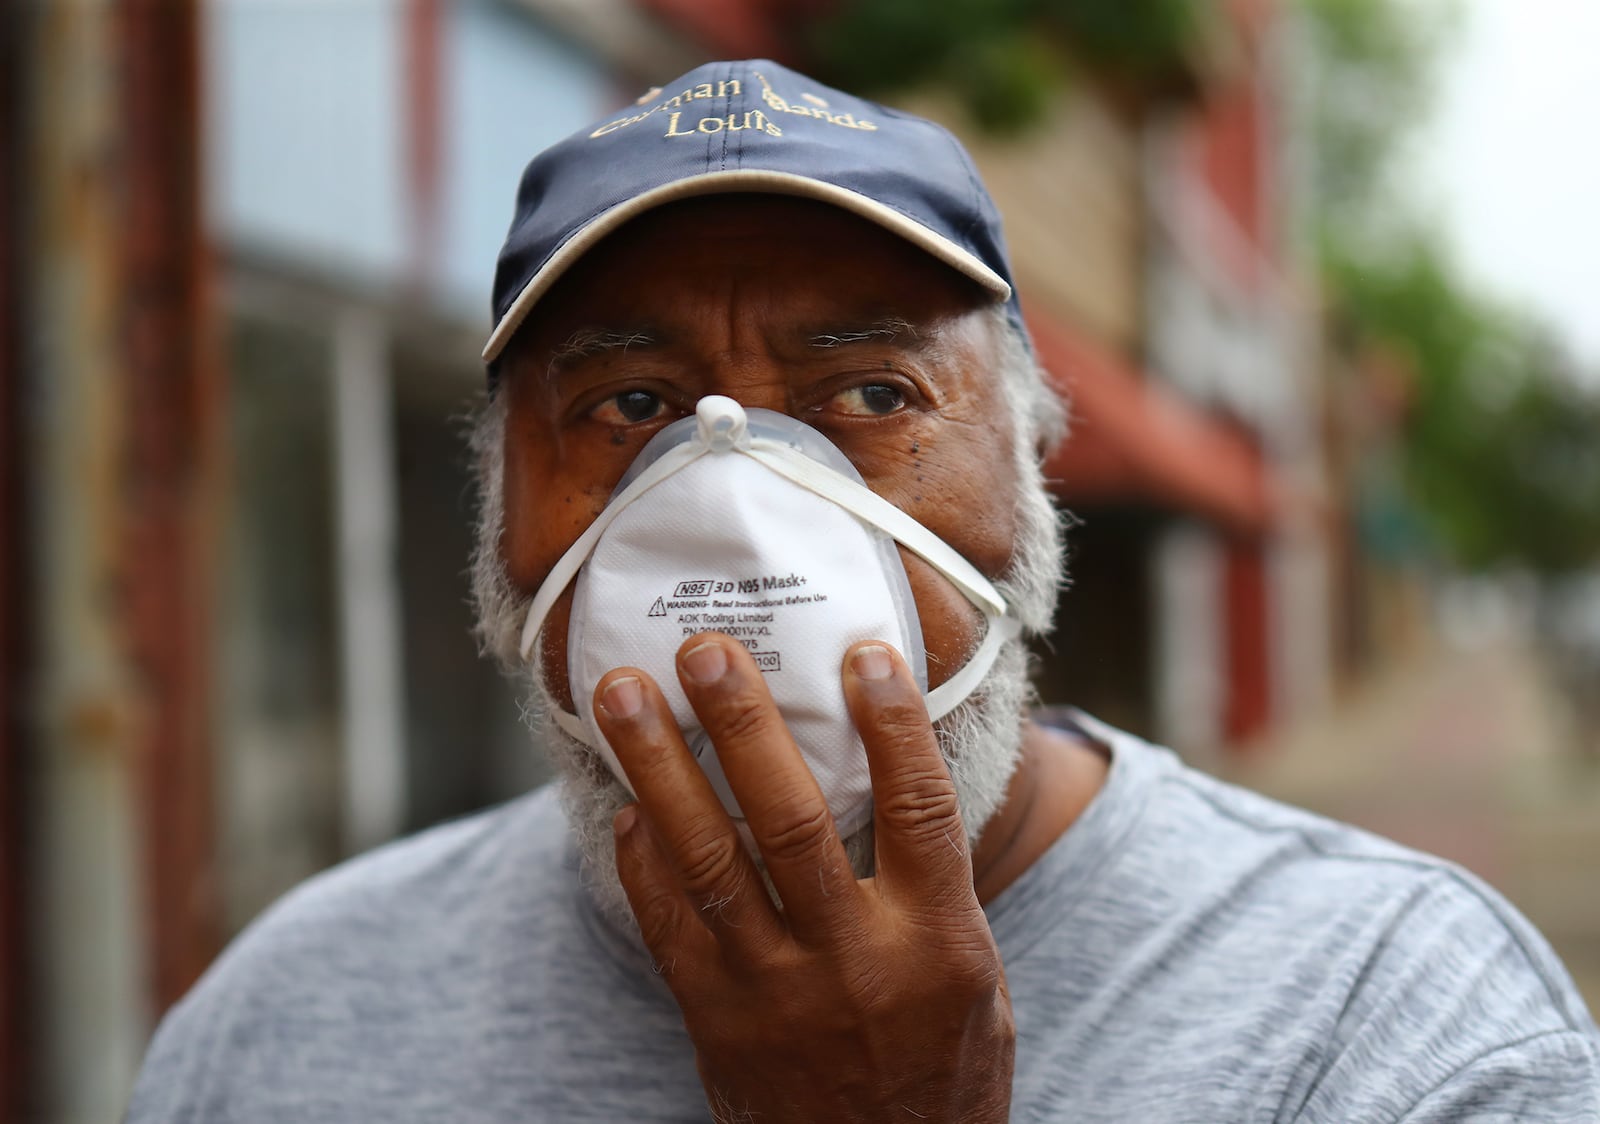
(1186, 952)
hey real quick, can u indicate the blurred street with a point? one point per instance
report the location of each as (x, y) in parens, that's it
(1467, 752)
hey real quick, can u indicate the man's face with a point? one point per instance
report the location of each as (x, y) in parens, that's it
(779, 303)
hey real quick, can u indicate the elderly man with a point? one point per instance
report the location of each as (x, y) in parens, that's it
(763, 521)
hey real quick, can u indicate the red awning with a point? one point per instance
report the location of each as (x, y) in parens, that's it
(1134, 441)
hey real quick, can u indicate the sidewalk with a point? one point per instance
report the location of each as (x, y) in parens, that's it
(1468, 755)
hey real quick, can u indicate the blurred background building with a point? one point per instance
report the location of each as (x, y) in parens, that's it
(243, 284)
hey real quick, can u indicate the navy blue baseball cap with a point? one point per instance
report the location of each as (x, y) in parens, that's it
(751, 126)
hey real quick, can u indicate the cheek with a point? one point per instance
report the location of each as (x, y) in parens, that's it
(542, 521)
(553, 651)
(968, 500)
(951, 625)
(531, 547)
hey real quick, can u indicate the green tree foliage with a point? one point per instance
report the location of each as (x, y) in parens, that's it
(1372, 65)
(1004, 57)
(1500, 447)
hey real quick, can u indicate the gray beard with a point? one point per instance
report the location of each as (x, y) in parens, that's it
(981, 739)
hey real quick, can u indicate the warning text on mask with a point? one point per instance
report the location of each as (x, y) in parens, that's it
(695, 606)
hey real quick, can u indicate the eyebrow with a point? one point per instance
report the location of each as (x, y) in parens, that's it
(586, 342)
(887, 330)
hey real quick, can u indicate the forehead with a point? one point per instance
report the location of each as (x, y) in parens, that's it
(793, 263)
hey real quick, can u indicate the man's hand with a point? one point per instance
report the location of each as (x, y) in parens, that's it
(882, 999)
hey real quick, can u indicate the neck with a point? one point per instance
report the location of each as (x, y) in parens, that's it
(1058, 776)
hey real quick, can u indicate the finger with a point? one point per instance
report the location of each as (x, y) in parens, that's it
(784, 809)
(703, 847)
(668, 923)
(920, 839)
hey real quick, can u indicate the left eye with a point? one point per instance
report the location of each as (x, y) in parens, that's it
(627, 408)
(872, 400)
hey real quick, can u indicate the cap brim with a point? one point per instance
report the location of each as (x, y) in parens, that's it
(715, 183)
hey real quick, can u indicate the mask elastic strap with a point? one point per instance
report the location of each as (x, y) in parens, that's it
(953, 691)
(577, 554)
(873, 509)
(573, 725)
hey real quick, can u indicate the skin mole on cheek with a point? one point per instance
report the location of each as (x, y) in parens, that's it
(618, 437)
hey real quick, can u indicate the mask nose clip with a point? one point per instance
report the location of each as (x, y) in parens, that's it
(722, 423)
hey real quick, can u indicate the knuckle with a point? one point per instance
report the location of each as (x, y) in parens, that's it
(923, 803)
(953, 974)
(800, 835)
(967, 953)
(648, 762)
(741, 719)
(659, 918)
(901, 726)
(1005, 1022)
(656, 907)
(973, 971)
(709, 864)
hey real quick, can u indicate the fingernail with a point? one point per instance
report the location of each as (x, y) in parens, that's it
(872, 662)
(625, 820)
(622, 698)
(705, 663)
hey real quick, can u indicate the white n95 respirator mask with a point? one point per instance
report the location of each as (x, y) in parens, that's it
(753, 524)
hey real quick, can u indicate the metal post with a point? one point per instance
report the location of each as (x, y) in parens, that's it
(84, 905)
(14, 999)
(373, 665)
(169, 479)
